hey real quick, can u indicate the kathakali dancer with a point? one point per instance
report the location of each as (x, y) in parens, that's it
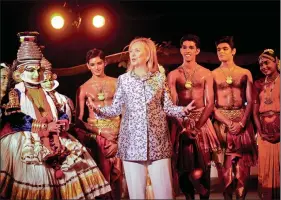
(39, 159)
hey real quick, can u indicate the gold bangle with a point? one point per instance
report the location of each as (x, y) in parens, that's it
(38, 126)
(32, 127)
(35, 126)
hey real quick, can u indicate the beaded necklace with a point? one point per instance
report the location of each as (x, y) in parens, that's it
(268, 98)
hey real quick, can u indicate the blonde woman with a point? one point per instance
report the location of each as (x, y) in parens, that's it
(144, 139)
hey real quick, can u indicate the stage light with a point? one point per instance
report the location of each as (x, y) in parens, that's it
(98, 21)
(57, 21)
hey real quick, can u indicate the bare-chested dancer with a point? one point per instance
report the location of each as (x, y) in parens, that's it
(103, 132)
(188, 82)
(233, 105)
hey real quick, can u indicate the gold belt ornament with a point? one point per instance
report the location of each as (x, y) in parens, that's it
(113, 123)
(195, 114)
(233, 115)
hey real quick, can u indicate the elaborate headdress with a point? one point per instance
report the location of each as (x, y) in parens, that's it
(270, 54)
(28, 53)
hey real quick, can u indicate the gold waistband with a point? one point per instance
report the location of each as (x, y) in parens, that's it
(195, 114)
(233, 115)
(229, 107)
(105, 123)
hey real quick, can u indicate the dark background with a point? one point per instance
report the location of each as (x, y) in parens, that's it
(254, 25)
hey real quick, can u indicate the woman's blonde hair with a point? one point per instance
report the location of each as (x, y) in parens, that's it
(149, 45)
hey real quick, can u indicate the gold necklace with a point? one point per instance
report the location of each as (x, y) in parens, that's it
(268, 99)
(188, 80)
(100, 94)
(228, 79)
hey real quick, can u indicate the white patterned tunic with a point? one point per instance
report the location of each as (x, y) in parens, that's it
(143, 133)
